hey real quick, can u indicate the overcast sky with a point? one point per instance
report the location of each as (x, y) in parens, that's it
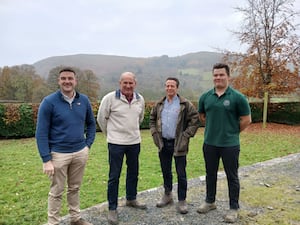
(32, 30)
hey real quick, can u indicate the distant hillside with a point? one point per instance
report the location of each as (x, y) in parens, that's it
(193, 71)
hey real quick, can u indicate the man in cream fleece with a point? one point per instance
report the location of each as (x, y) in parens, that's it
(119, 117)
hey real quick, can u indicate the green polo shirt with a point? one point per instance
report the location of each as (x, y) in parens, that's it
(222, 123)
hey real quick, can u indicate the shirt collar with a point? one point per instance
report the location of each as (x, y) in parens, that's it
(67, 98)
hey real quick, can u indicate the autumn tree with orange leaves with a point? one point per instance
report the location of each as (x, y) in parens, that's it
(272, 60)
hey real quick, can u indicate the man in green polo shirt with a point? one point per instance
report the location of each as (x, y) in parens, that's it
(225, 113)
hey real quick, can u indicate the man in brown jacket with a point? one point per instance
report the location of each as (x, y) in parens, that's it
(173, 120)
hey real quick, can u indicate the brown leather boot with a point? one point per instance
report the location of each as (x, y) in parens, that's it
(165, 200)
(112, 217)
(135, 204)
(182, 207)
(205, 207)
(231, 216)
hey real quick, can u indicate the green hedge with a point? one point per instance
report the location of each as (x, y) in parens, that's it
(287, 113)
(284, 113)
(19, 120)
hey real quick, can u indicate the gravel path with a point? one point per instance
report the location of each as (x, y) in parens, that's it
(261, 173)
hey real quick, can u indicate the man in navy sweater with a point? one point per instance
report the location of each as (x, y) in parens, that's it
(65, 131)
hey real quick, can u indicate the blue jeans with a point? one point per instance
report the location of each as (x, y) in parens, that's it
(230, 159)
(115, 157)
(166, 156)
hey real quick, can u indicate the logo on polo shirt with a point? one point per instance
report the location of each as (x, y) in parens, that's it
(226, 103)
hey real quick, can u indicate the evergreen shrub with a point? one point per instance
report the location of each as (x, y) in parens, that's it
(18, 120)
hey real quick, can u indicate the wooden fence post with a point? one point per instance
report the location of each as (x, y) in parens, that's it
(265, 112)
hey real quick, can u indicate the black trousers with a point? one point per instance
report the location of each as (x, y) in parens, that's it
(230, 159)
(166, 156)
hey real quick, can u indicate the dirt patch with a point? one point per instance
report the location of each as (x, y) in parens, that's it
(273, 127)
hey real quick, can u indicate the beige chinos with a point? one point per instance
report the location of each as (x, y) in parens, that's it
(67, 167)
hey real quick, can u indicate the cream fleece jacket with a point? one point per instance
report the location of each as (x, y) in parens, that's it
(120, 120)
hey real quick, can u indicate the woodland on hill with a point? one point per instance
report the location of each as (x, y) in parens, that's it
(99, 74)
(193, 71)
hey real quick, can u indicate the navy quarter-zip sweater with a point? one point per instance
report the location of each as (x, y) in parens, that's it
(63, 127)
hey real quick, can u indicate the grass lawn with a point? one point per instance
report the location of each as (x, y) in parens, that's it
(24, 189)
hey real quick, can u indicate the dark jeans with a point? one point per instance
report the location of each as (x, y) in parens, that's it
(166, 156)
(116, 155)
(230, 159)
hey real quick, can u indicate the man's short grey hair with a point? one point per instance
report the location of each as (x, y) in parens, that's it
(128, 73)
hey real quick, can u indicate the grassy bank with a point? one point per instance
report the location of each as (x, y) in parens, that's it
(24, 189)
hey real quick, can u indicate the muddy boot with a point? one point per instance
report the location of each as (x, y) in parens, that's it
(112, 217)
(182, 207)
(231, 216)
(165, 200)
(206, 207)
(135, 204)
